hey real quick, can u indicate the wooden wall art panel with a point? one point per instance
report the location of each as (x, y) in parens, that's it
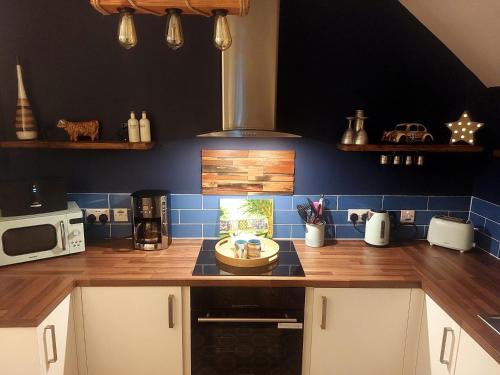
(241, 172)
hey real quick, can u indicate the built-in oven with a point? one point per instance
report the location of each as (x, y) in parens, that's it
(246, 330)
(38, 236)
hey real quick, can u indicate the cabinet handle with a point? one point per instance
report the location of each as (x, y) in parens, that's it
(443, 346)
(52, 330)
(323, 312)
(63, 234)
(171, 311)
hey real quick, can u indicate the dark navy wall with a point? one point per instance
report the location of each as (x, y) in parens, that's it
(347, 55)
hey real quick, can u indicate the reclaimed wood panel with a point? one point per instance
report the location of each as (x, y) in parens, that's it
(247, 172)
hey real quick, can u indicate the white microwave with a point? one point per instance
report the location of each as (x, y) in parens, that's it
(39, 236)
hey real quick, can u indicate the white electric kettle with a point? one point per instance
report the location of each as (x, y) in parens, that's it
(377, 228)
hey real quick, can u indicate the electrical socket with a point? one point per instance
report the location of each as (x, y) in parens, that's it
(407, 217)
(96, 212)
(359, 211)
(120, 214)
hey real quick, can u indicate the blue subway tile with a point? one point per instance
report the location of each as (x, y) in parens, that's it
(487, 244)
(331, 202)
(187, 230)
(282, 231)
(405, 202)
(119, 201)
(330, 231)
(301, 199)
(92, 200)
(174, 216)
(282, 202)
(492, 229)
(424, 217)
(360, 201)
(287, 217)
(199, 216)
(210, 201)
(186, 201)
(121, 230)
(210, 230)
(336, 217)
(478, 221)
(348, 231)
(486, 209)
(298, 231)
(449, 203)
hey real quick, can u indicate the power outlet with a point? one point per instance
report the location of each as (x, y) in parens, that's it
(96, 212)
(407, 217)
(120, 214)
(360, 212)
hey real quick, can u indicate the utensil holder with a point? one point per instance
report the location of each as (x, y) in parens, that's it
(315, 235)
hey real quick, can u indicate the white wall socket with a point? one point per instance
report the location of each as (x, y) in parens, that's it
(120, 214)
(96, 212)
(407, 216)
(359, 211)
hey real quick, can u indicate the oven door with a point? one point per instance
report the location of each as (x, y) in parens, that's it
(246, 345)
(34, 237)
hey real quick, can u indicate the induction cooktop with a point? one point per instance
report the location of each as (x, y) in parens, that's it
(288, 263)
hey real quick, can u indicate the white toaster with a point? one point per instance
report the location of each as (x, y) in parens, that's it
(451, 232)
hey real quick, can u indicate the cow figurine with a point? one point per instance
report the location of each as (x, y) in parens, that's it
(80, 129)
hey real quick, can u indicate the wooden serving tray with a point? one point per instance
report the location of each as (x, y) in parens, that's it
(224, 252)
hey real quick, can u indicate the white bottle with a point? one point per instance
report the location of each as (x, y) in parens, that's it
(133, 128)
(145, 128)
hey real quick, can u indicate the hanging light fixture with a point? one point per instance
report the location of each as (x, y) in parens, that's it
(173, 31)
(126, 28)
(222, 34)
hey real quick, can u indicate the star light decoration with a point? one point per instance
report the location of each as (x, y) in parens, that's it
(463, 129)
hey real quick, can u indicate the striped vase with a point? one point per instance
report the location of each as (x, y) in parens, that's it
(25, 121)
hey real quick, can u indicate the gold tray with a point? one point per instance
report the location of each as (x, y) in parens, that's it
(224, 252)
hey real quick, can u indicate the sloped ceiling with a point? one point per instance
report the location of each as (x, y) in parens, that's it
(469, 28)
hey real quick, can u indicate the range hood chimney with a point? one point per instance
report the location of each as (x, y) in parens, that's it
(249, 74)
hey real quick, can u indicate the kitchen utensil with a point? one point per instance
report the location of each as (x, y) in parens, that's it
(360, 136)
(240, 249)
(420, 160)
(224, 252)
(377, 228)
(384, 159)
(408, 160)
(396, 160)
(348, 135)
(254, 249)
(451, 232)
(302, 210)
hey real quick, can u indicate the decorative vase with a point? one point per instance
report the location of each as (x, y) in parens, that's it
(315, 235)
(26, 127)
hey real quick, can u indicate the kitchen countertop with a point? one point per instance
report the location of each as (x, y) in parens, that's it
(464, 285)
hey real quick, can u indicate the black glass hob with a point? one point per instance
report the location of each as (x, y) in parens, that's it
(288, 263)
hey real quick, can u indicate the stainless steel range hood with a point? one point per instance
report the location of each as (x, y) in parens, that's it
(249, 74)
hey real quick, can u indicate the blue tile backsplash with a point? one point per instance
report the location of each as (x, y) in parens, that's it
(486, 218)
(195, 215)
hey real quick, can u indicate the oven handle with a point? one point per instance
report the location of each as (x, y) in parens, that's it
(63, 234)
(247, 320)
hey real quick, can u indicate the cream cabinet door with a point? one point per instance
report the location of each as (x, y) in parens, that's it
(439, 337)
(133, 330)
(472, 359)
(36, 350)
(359, 331)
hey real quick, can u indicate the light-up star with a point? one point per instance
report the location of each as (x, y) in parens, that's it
(463, 129)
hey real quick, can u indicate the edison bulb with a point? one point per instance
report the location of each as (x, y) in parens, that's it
(222, 34)
(173, 32)
(126, 28)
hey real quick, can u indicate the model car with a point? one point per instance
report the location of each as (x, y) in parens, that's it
(408, 133)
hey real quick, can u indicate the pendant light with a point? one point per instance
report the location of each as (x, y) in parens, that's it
(222, 34)
(173, 31)
(126, 28)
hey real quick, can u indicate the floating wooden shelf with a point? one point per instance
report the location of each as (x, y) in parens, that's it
(98, 145)
(409, 148)
(233, 7)
(496, 153)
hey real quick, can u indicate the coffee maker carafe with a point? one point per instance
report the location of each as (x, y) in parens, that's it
(150, 219)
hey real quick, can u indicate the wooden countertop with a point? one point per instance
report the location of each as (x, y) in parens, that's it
(464, 285)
